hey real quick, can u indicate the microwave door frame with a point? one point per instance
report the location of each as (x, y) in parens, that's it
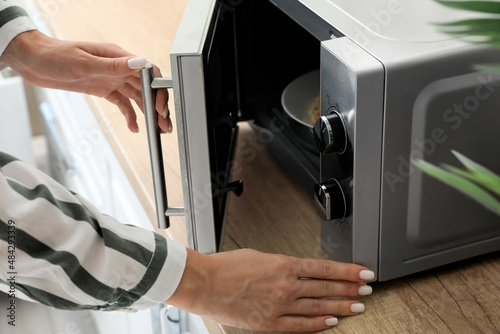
(188, 60)
(190, 109)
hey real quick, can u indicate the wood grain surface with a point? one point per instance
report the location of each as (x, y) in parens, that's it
(460, 298)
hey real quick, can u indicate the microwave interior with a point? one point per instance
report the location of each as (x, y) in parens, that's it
(253, 51)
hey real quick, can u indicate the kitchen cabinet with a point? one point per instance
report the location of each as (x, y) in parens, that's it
(15, 130)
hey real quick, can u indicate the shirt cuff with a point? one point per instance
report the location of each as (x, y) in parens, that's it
(13, 28)
(168, 279)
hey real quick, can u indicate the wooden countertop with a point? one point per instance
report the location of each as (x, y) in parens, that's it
(459, 298)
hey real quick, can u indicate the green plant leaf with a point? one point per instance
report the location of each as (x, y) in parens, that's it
(473, 166)
(487, 34)
(491, 68)
(480, 27)
(478, 6)
(463, 185)
(491, 43)
(481, 179)
(482, 23)
(477, 173)
(480, 31)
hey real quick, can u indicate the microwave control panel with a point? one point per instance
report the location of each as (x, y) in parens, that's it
(349, 136)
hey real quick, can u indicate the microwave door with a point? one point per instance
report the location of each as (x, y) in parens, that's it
(204, 82)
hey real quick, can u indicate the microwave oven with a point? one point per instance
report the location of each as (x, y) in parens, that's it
(391, 88)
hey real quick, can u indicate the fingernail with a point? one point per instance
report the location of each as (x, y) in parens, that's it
(137, 63)
(365, 290)
(166, 112)
(331, 322)
(366, 275)
(170, 126)
(357, 308)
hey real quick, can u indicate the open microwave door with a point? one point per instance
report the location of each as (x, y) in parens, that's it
(204, 79)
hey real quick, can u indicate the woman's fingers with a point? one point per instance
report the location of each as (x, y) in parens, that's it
(123, 103)
(161, 104)
(165, 124)
(315, 307)
(106, 50)
(331, 270)
(109, 60)
(304, 324)
(132, 93)
(329, 288)
(132, 90)
(134, 81)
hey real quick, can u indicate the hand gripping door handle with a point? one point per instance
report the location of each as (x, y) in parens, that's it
(149, 84)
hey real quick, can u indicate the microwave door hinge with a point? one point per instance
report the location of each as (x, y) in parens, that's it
(149, 84)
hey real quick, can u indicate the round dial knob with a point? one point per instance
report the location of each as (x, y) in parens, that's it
(330, 200)
(330, 134)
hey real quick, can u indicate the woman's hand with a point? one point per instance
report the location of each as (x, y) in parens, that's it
(103, 70)
(253, 290)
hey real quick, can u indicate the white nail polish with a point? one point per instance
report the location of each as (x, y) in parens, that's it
(331, 322)
(170, 126)
(357, 308)
(137, 63)
(365, 290)
(366, 275)
(166, 112)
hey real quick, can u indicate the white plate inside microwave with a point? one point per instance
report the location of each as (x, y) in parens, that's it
(299, 97)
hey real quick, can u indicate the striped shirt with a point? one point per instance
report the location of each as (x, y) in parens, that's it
(59, 250)
(13, 21)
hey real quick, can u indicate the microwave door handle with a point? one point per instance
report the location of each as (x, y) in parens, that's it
(149, 84)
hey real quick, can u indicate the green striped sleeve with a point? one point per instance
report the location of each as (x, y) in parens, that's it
(10, 13)
(71, 256)
(77, 212)
(67, 261)
(149, 278)
(49, 299)
(6, 159)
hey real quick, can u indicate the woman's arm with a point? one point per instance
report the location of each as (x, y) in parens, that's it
(100, 69)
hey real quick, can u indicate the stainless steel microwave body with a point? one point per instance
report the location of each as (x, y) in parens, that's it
(393, 89)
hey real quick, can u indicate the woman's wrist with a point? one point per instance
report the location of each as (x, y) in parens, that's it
(20, 41)
(191, 294)
(20, 49)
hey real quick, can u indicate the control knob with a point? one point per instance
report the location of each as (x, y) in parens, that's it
(330, 200)
(330, 134)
